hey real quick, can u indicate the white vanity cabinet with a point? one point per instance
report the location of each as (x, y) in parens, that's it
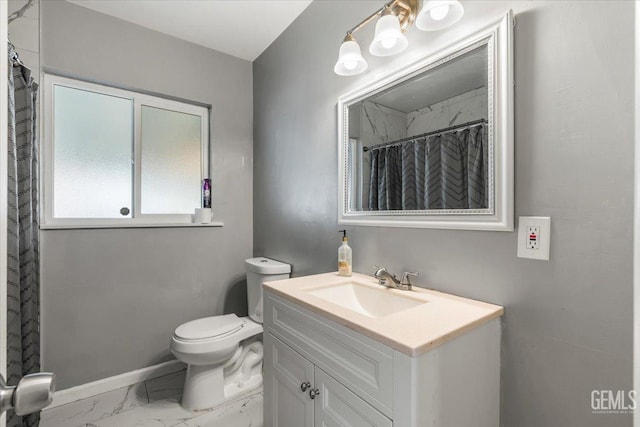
(299, 394)
(318, 372)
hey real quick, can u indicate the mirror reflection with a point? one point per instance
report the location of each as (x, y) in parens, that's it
(423, 144)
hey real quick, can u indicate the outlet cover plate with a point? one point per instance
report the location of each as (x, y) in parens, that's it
(543, 224)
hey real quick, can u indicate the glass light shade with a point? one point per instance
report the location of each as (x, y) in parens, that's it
(439, 14)
(350, 60)
(388, 39)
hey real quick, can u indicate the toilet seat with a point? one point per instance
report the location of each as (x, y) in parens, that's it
(223, 343)
(208, 328)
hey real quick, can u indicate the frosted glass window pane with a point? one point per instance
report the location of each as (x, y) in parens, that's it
(171, 161)
(93, 142)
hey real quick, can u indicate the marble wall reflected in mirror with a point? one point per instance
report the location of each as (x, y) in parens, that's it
(422, 144)
(432, 144)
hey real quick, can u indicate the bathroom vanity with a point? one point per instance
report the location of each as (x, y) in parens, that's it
(345, 351)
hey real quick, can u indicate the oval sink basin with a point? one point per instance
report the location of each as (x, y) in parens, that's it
(363, 299)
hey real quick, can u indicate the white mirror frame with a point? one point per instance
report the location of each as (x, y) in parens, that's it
(498, 38)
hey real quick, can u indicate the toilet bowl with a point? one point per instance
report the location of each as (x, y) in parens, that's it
(224, 353)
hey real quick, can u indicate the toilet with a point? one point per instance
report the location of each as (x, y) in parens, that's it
(224, 353)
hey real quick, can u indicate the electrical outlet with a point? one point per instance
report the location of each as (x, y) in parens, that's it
(534, 236)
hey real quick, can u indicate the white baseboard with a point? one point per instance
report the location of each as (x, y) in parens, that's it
(104, 385)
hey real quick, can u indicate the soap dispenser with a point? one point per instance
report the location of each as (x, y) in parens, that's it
(344, 256)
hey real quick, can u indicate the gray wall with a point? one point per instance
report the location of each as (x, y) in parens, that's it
(112, 298)
(568, 322)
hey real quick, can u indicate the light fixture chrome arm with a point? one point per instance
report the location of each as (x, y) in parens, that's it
(368, 19)
(405, 10)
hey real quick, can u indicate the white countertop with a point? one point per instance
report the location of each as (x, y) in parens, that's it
(413, 331)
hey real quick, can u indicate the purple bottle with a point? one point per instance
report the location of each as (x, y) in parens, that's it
(206, 193)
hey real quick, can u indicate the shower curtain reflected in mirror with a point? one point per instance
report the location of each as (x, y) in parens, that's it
(443, 171)
(23, 281)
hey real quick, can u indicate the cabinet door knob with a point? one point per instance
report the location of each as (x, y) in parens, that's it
(305, 386)
(313, 393)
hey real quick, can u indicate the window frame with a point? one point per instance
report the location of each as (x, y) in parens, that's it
(138, 99)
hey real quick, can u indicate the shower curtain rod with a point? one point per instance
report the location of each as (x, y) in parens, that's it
(436, 132)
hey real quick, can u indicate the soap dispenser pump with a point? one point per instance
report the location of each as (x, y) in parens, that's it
(344, 256)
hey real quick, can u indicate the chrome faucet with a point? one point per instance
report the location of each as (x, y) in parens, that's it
(391, 281)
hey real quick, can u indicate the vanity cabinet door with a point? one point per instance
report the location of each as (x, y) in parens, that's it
(362, 364)
(337, 406)
(286, 404)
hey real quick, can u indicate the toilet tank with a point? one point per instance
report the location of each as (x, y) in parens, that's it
(260, 270)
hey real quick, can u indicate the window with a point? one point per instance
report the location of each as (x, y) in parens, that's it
(114, 157)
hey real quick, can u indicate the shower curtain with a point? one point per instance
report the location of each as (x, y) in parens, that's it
(444, 171)
(23, 281)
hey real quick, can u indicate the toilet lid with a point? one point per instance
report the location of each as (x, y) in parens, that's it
(208, 327)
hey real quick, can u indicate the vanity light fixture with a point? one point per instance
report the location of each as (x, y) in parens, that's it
(395, 17)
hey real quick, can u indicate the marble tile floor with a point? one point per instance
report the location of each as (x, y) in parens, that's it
(245, 411)
(111, 403)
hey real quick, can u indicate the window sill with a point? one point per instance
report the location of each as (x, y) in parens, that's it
(145, 225)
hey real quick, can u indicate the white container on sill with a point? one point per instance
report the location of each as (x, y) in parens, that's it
(202, 216)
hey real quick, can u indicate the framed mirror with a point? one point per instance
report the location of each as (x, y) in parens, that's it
(431, 146)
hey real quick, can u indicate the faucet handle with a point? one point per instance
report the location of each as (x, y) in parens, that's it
(405, 277)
